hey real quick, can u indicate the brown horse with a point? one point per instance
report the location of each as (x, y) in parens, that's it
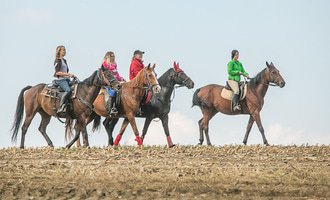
(132, 93)
(210, 101)
(35, 101)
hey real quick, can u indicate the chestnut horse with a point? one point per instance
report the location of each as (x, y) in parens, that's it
(210, 101)
(132, 93)
(35, 101)
(159, 105)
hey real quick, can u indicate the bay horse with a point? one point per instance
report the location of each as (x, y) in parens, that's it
(210, 101)
(34, 100)
(132, 93)
(160, 104)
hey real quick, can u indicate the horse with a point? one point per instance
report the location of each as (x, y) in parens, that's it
(160, 104)
(131, 94)
(210, 101)
(35, 100)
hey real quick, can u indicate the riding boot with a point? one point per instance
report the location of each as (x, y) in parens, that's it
(113, 110)
(236, 105)
(64, 98)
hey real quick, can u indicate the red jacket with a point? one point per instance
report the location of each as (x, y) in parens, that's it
(135, 67)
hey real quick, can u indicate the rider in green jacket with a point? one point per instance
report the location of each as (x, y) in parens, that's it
(235, 70)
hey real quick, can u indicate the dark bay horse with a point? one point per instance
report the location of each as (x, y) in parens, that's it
(210, 101)
(34, 101)
(132, 93)
(159, 105)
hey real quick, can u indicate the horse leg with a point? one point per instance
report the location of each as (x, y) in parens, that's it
(78, 144)
(45, 119)
(208, 114)
(131, 119)
(85, 137)
(248, 129)
(145, 127)
(76, 137)
(167, 131)
(256, 117)
(121, 132)
(109, 125)
(201, 132)
(26, 124)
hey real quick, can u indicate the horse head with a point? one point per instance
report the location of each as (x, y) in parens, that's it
(274, 75)
(106, 78)
(150, 79)
(181, 78)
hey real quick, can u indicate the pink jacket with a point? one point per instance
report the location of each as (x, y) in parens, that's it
(113, 68)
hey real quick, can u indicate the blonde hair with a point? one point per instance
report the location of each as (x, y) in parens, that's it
(58, 50)
(108, 55)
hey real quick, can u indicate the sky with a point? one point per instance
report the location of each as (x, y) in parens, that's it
(200, 35)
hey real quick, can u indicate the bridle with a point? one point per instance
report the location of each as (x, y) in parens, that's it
(270, 83)
(102, 78)
(149, 87)
(179, 85)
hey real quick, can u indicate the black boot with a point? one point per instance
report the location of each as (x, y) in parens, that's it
(236, 105)
(113, 110)
(64, 98)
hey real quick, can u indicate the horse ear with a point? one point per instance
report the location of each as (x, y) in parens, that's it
(267, 64)
(174, 65)
(271, 63)
(148, 66)
(153, 66)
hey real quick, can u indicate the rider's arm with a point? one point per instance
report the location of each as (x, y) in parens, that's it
(244, 73)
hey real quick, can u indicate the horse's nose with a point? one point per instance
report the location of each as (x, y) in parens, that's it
(282, 84)
(192, 85)
(157, 89)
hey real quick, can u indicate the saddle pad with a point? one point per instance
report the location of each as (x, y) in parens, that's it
(228, 94)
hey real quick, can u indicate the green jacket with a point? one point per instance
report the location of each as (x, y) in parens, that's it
(234, 68)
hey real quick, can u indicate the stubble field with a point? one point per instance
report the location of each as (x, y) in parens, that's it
(153, 172)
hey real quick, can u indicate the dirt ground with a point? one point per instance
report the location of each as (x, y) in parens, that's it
(153, 172)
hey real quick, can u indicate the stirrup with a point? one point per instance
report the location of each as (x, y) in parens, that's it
(62, 109)
(237, 107)
(113, 111)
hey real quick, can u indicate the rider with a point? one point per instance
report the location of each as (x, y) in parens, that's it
(136, 64)
(63, 76)
(110, 64)
(235, 70)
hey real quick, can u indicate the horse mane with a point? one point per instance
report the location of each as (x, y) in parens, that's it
(254, 82)
(163, 78)
(89, 80)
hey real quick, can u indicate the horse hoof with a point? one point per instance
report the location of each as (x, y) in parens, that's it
(266, 143)
(173, 145)
(244, 143)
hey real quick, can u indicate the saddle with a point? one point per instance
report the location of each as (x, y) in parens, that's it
(53, 90)
(227, 92)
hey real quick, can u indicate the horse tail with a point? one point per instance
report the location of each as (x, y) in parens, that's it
(196, 101)
(18, 114)
(96, 123)
(68, 129)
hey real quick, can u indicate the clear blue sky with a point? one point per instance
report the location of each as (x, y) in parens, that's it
(294, 35)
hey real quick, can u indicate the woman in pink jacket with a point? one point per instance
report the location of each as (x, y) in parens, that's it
(109, 63)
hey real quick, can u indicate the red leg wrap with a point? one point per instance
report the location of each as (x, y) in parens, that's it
(118, 138)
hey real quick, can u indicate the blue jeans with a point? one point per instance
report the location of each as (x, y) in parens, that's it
(64, 84)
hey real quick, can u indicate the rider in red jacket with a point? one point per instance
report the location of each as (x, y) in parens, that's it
(136, 64)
